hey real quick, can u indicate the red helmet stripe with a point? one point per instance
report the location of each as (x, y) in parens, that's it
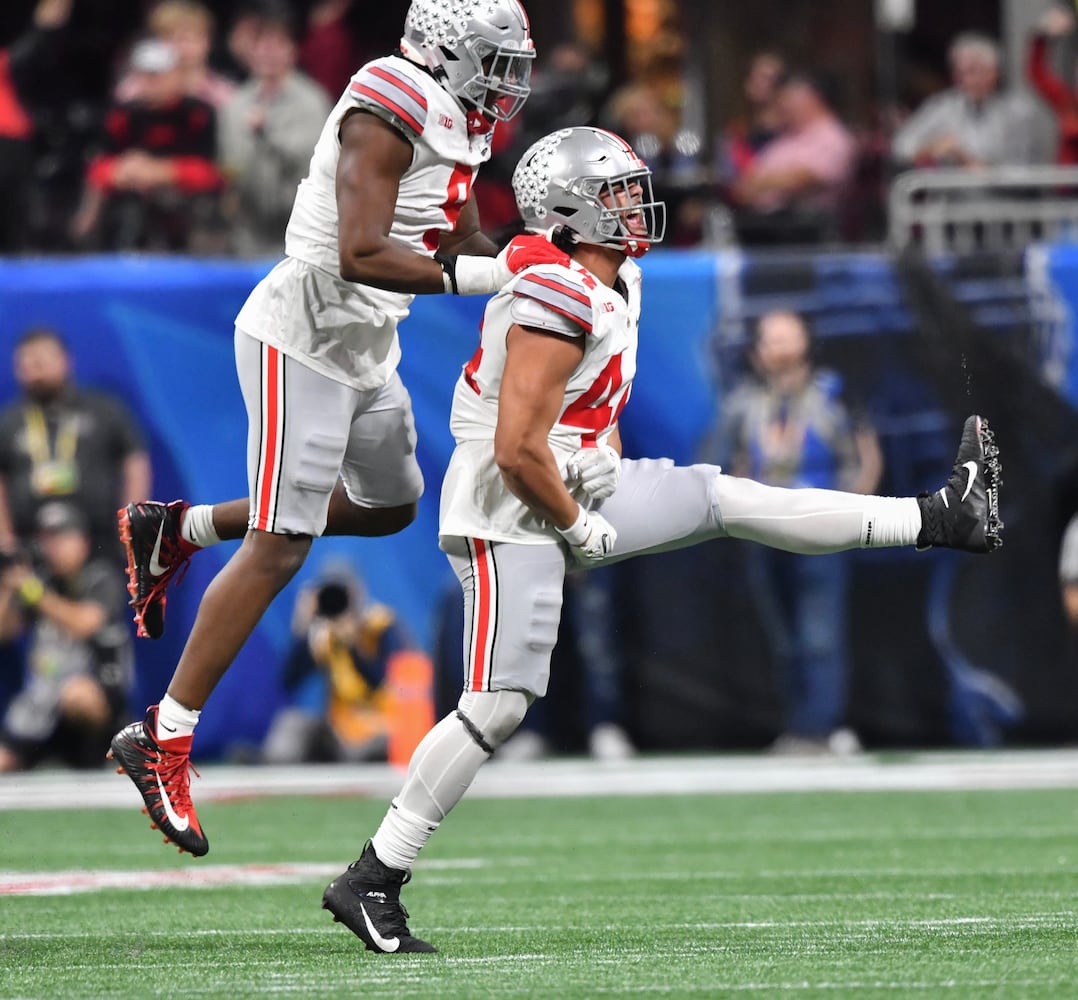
(617, 138)
(524, 14)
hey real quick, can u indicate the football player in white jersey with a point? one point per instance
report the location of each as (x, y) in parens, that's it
(384, 214)
(536, 487)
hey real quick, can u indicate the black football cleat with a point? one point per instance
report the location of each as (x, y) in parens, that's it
(160, 775)
(366, 899)
(156, 551)
(964, 514)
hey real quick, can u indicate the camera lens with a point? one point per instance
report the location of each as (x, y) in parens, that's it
(333, 599)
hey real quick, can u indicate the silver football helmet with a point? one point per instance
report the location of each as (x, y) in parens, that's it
(592, 182)
(481, 51)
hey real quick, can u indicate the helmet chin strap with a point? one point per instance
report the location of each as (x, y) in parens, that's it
(478, 123)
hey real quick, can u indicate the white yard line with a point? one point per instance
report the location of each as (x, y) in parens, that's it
(75, 880)
(1064, 918)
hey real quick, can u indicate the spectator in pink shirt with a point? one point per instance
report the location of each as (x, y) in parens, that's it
(792, 190)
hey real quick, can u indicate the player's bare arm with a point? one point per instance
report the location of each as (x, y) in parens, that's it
(537, 369)
(374, 157)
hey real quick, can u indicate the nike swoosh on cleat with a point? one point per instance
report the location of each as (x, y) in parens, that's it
(386, 944)
(971, 470)
(156, 569)
(179, 823)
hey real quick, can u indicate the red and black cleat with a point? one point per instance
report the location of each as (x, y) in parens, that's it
(156, 552)
(160, 775)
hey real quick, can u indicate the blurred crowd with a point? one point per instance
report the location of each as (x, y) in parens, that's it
(166, 128)
(184, 126)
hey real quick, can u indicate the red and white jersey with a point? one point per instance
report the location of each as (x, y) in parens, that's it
(344, 329)
(568, 300)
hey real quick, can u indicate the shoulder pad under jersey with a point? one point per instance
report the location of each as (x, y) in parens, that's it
(387, 89)
(558, 288)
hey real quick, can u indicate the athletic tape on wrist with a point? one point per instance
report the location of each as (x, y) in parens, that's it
(449, 273)
(577, 532)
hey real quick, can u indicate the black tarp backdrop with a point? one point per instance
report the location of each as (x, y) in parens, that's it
(937, 638)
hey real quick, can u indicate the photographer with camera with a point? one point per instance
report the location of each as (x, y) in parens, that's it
(335, 675)
(71, 611)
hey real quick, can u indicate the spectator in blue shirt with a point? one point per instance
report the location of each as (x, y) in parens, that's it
(787, 426)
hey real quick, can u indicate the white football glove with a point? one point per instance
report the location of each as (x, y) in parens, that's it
(468, 275)
(591, 536)
(597, 471)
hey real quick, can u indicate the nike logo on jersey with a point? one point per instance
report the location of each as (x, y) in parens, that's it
(180, 823)
(971, 472)
(156, 569)
(382, 943)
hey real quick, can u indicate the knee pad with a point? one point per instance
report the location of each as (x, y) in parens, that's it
(491, 717)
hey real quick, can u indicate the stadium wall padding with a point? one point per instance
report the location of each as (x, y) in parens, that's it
(158, 333)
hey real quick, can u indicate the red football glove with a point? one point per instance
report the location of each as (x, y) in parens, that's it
(527, 249)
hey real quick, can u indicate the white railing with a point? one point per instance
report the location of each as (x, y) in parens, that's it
(986, 209)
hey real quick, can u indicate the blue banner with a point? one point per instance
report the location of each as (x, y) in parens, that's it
(158, 332)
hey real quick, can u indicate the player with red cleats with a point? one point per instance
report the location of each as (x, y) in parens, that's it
(385, 213)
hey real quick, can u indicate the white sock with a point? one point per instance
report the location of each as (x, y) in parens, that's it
(814, 521)
(401, 837)
(173, 720)
(890, 521)
(197, 527)
(442, 767)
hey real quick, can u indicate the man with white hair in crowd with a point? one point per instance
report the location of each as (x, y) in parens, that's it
(976, 121)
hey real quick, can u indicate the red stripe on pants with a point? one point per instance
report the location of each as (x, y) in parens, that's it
(269, 452)
(483, 612)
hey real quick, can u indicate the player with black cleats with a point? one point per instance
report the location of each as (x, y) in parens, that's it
(366, 899)
(964, 514)
(513, 525)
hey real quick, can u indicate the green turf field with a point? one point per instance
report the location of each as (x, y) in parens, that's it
(826, 894)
